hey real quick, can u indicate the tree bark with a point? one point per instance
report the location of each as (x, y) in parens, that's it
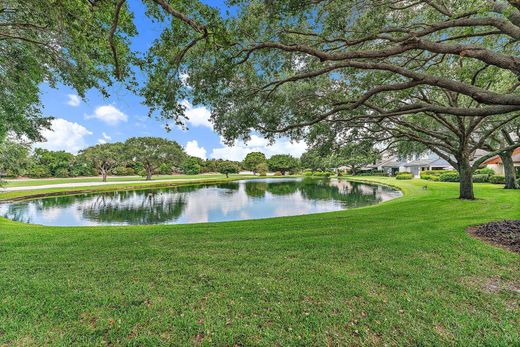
(227, 175)
(149, 173)
(509, 169)
(104, 175)
(466, 179)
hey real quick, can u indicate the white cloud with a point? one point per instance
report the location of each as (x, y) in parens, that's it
(197, 116)
(104, 139)
(64, 135)
(192, 148)
(109, 114)
(259, 144)
(74, 100)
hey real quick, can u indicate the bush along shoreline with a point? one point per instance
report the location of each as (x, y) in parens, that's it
(479, 176)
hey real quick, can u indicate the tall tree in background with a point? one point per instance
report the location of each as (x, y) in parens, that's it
(14, 158)
(312, 159)
(282, 163)
(151, 152)
(279, 68)
(104, 157)
(227, 167)
(252, 160)
(72, 42)
(52, 163)
(357, 155)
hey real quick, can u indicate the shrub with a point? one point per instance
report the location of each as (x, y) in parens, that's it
(496, 179)
(278, 173)
(39, 171)
(404, 176)
(308, 173)
(61, 172)
(481, 178)
(262, 169)
(485, 171)
(123, 171)
(449, 177)
(426, 176)
(323, 173)
(165, 169)
(373, 173)
(433, 175)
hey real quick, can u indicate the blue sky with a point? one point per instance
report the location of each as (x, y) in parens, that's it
(82, 123)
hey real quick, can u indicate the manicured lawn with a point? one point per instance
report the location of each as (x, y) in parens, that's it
(401, 273)
(40, 182)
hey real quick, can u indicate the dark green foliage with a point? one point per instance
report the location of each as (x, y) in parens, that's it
(227, 167)
(252, 160)
(404, 176)
(55, 163)
(104, 157)
(123, 171)
(38, 171)
(481, 178)
(434, 175)
(496, 179)
(14, 158)
(152, 152)
(282, 163)
(165, 169)
(262, 169)
(449, 177)
(57, 42)
(312, 160)
(484, 171)
(190, 166)
(373, 173)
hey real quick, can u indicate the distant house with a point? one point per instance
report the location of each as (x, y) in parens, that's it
(389, 164)
(495, 163)
(432, 162)
(417, 163)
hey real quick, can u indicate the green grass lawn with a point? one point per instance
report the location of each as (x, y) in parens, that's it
(401, 273)
(43, 181)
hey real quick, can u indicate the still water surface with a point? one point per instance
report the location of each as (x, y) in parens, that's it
(246, 199)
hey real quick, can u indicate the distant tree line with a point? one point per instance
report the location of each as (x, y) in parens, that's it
(144, 156)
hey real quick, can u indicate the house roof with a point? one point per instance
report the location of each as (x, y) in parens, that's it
(419, 162)
(496, 159)
(440, 163)
(388, 163)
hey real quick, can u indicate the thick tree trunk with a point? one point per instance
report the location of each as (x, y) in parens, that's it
(104, 175)
(509, 169)
(149, 173)
(466, 179)
(227, 175)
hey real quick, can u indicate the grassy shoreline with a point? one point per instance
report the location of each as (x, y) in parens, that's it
(404, 272)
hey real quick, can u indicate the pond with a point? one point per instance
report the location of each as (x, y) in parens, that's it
(239, 200)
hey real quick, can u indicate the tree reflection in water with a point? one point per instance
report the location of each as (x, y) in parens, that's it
(143, 207)
(200, 203)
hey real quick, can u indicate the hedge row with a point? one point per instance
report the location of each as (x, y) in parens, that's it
(404, 176)
(319, 173)
(479, 176)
